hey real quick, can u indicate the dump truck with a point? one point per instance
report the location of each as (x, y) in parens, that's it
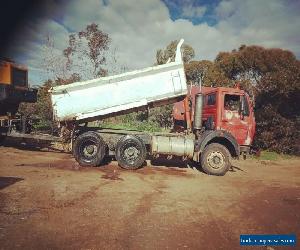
(212, 125)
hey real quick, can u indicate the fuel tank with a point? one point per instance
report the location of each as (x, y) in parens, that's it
(166, 145)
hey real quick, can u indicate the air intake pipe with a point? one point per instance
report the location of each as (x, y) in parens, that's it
(197, 125)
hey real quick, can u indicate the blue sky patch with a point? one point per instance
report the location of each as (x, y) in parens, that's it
(200, 11)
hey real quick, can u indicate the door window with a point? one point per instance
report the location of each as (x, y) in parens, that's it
(232, 102)
(211, 99)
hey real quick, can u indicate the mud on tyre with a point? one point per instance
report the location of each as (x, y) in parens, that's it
(130, 152)
(215, 159)
(89, 149)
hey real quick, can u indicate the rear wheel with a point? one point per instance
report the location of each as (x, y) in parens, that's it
(89, 149)
(130, 152)
(215, 159)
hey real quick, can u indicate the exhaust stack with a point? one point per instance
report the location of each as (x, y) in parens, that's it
(197, 125)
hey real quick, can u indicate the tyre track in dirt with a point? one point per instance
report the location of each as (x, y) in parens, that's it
(58, 205)
(136, 222)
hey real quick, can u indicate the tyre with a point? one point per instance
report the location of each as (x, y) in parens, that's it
(215, 159)
(130, 152)
(89, 149)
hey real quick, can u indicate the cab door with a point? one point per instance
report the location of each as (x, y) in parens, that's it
(232, 120)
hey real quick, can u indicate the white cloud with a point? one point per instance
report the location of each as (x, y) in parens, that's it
(139, 28)
(33, 46)
(191, 11)
(225, 9)
(268, 23)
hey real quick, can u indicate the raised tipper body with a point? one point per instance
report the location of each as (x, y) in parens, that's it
(108, 96)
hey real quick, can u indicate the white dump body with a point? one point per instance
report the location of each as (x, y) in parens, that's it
(108, 96)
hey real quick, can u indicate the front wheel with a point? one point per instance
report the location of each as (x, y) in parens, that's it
(215, 159)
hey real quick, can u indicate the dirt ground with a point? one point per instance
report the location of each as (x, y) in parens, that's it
(48, 202)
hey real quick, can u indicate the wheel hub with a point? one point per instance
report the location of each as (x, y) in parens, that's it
(90, 150)
(131, 153)
(216, 160)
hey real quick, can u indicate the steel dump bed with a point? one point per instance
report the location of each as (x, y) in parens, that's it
(110, 96)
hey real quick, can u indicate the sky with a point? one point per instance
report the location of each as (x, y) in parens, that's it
(138, 28)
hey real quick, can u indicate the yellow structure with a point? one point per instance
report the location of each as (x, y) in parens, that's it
(14, 87)
(13, 74)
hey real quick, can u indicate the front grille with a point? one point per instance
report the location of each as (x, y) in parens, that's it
(19, 77)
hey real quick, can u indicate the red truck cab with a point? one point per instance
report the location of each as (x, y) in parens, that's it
(221, 111)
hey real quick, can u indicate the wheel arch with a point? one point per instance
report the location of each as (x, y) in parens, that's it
(222, 137)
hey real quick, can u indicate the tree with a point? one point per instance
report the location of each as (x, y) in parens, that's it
(206, 71)
(42, 109)
(86, 52)
(87, 56)
(162, 55)
(163, 115)
(53, 60)
(273, 77)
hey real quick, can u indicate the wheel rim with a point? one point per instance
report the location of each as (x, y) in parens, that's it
(216, 160)
(88, 150)
(130, 153)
